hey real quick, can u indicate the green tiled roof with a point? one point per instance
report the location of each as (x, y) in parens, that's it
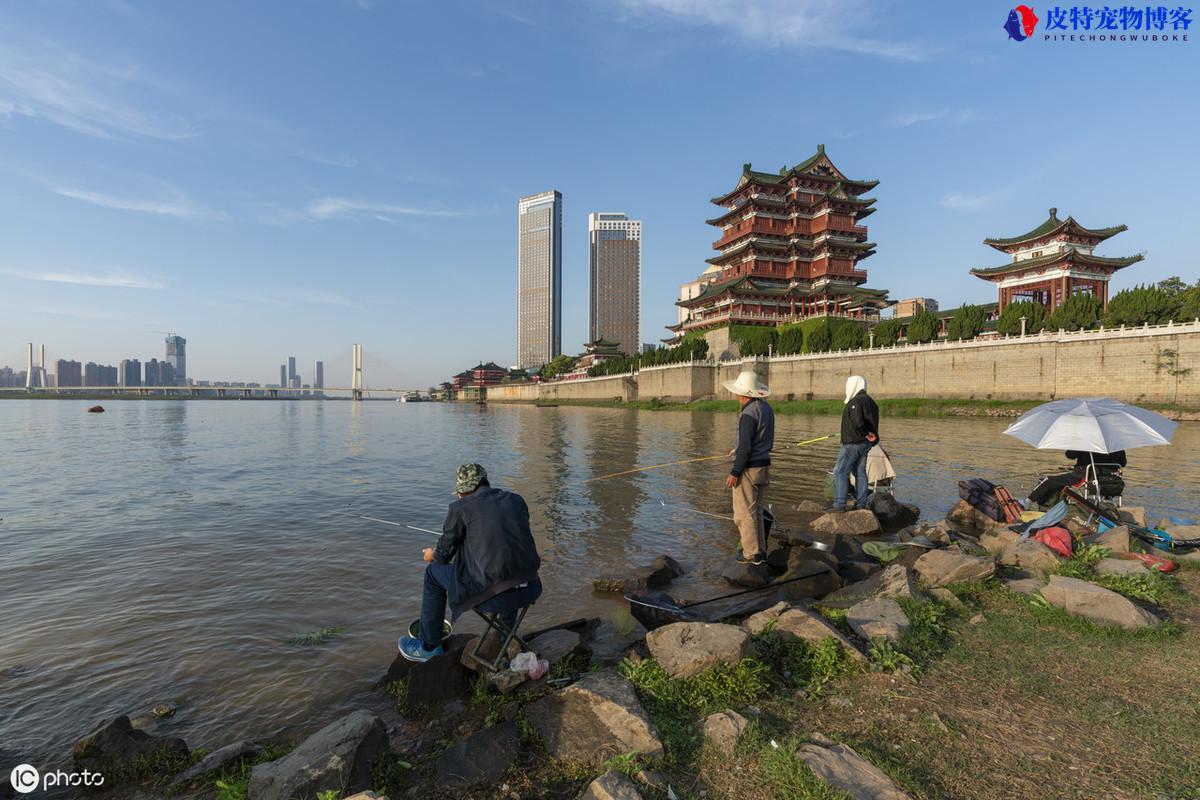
(1071, 256)
(1052, 225)
(750, 175)
(778, 289)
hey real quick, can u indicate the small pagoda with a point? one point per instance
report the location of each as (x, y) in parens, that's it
(1054, 261)
(789, 249)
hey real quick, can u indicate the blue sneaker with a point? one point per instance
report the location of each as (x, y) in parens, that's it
(414, 649)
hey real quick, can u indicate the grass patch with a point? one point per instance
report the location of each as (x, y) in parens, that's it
(801, 664)
(315, 638)
(1152, 586)
(775, 768)
(233, 781)
(492, 705)
(154, 768)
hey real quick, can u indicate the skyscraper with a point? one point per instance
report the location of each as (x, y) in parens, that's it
(153, 373)
(283, 379)
(615, 271)
(539, 278)
(129, 372)
(291, 376)
(319, 376)
(177, 358)
(70, 373)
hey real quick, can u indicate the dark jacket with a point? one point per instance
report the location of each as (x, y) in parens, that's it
(486, 537)
(860, 417)
(1104, 461)
(755, 437)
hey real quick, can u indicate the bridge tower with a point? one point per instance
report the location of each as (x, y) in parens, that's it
(356, 385)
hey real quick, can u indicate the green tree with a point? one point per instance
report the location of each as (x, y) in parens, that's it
(753, 340)
(820, 337)
(1034, 313)
(846, 335)
(557, 366)
(1144, 304)
(1189, 306)
(887, 333)
(923, 327)
(1079, 312)
(791, 340)
(967, 322)
(1173, 286)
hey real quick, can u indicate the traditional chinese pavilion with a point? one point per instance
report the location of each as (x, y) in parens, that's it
(1054, 261)
(789, 249)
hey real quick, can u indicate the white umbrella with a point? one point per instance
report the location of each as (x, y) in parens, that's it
(1098, 425)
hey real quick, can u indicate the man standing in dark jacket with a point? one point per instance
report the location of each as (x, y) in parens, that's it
(748, 478)
(860, 432)
(486, 550)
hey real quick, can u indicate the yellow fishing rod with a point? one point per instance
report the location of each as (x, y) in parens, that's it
(694, 460)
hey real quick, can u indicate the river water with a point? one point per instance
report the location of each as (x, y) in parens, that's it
(165, 551)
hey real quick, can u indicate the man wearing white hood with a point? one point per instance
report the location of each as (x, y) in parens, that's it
(860, 432)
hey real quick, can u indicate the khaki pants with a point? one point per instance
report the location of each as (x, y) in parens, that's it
(748, 510)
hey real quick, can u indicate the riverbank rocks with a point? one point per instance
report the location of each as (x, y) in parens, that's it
(440, 679)
(878, 617)
(1096, 603)
(1115, 539)
(594, 719)
(480, 759)
(800, 623)
(655, 575)
(1031, 556)
(859, 522)
(1120, 566)
(685, 649)
(966, 518)
(997, 540)
(944, 567)
(1135, 515)
(893, 581)
(844, 769)
(723, 729)
(338, 757)
(217, 760)
(891, 513)
(1026, 586)
(612, 785)
(609, 643)
(748, 575)
(557, 644)
(116, 743)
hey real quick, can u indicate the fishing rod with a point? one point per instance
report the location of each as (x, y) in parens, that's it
(665, 504)
(389, 522)
(694, 460)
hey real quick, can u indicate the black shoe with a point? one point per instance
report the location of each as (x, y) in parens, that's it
(756, 561)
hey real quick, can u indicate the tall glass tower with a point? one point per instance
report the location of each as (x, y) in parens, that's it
(615, 274)
(177, 358)
(539, 278)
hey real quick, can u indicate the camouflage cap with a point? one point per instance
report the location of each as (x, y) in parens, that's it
(468, 478)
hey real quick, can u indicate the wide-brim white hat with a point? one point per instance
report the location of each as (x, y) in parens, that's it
(747, 385)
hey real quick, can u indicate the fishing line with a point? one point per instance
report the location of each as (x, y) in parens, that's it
(694, 460)
(389, 522)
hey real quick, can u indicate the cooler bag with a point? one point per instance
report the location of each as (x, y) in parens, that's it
(981, 495)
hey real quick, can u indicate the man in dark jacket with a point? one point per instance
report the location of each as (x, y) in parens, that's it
(860, 432)
(1108, 465)
(749, 475)
(486, 551)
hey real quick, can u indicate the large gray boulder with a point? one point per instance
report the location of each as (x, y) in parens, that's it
(338, 757)
(997, 540)
(1120, 566)
(879, 617)
(593, 720)
(655, 575)
(1096, 603)
(944, 567)
(859, 522)
(891, 513)
(1031, 556)
(685, 649)
(723, 728)
(117, 742)
(480, 759)
(556, 645)
(800, 623)
(612, 785)
(893, 581)
(1115, 539)
(844, 769)
(609, 644)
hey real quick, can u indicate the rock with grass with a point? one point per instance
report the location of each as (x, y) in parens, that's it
(968, 519)
(557, 644)
(944, 595)
(338, 757)
(1031, 556)
(685, 649)
(1121, 567)
(891, 513)
(1097, 604)
(800, 623)
(946, 567)
(840, 767)
(480, 759)
(593, 720)
(859, 522)
(893, 580)
(879, 617)
(723, 728)
(997, 540)
(1027, 586)
(116, 743)
(216, 761)
(612, 785)
(655, 575)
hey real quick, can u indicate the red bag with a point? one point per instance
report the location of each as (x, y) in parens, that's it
(1057, 539)
(1151, 560)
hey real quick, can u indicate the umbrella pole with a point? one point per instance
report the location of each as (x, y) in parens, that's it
(1095, 476)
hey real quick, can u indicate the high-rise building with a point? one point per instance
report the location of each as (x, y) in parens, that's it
(319, 376)
(99, 374)
(177, 358)
(615, 272)
(70, 373)
(166, 374)
(129, 373)
(539, 278)
(283, 379)
(291, 373)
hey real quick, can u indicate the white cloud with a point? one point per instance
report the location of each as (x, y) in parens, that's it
(780, 23)
(176, 205)
(909, 118)
(50, 83)
(956, 201)
(114, 280)
(336, 207)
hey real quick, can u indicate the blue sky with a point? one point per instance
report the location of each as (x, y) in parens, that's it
(274, 179)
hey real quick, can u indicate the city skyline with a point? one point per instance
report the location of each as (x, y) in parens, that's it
(156, 191)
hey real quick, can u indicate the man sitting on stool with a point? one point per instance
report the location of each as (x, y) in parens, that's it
(1107, 465)
(486, 550)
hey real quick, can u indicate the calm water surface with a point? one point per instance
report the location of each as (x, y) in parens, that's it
(165, 551)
